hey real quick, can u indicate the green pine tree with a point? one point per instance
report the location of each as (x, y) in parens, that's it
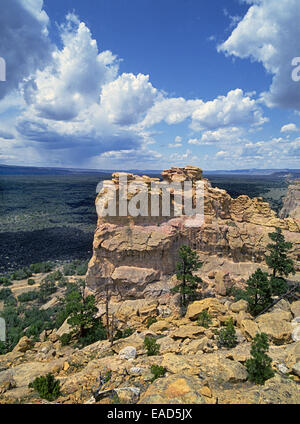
(278, 260)
(188, 264)
(259, 366)
(81, 311)
(258, 292)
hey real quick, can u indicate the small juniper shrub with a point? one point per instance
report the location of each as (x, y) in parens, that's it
(76, 267)
(5, 281)
(41, 267)
(227, 336)
(259, 366)
(107, 376)
(5, 293)
(157, 372)
(54, 276)
(21, 274)
(3, 349)
(123, 334)
(28, 296)
(150, 321)
(204, 319)
(151, 346)
(63, 282)
(65, 339)
(47, 387)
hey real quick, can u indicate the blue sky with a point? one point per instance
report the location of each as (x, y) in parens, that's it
(150, 84)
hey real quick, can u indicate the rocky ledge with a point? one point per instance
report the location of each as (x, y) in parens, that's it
(197, 370)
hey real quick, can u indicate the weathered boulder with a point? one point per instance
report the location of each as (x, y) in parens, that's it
(160, 326)
(293, 354)
(23, 345)
(194, 346)
(296, 369)
(131, 310)
(296, 329)
(212, 305)
(174, 389)
(276, 390)
(132, 280)
(277, 327)
(249, 328)
(53, 336)
(25, 373)
(222, 370)
(282, 305)
(128, 352)
(178, 364)
(65, 328)
(128, 395)
(240, 306)
(188, 332)
(295, 308)
(242, 315)
(135, 340)
(168, 345)
(7, 381)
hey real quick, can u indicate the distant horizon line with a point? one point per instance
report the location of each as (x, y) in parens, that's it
(60, 168)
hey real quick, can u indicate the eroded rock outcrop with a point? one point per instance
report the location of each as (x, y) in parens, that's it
(131, 253)
(291, 203)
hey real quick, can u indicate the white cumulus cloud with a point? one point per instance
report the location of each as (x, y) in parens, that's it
(235, 108)
(289, 128)
(127, 99)
(75, 76)
(269, 33)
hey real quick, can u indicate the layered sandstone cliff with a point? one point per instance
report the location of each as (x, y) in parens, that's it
(291, 203)
(132, 253)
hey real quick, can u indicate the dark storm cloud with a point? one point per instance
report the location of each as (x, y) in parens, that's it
(24, 44)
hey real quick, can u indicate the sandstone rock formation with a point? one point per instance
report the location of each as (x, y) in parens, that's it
(291, 203)
(133, 253)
